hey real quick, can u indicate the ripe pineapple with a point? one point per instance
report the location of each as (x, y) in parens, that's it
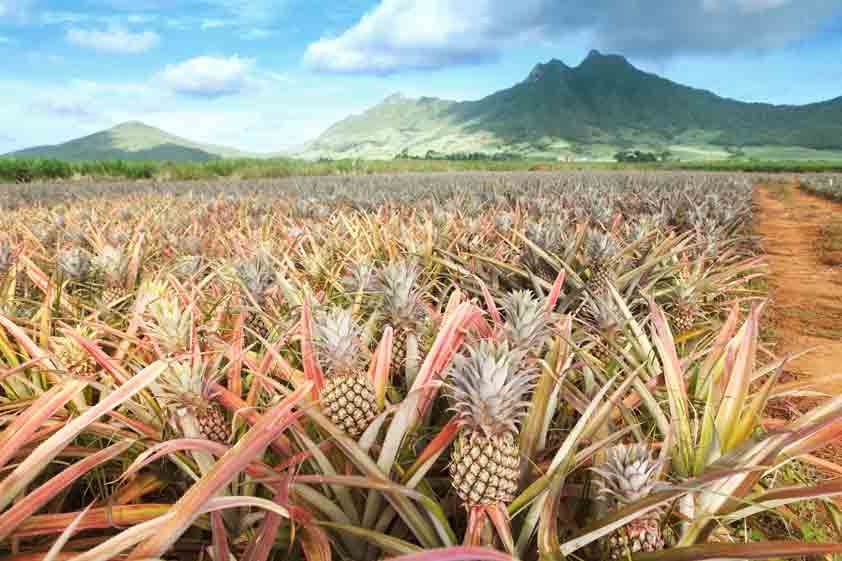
(348, 397)
(628, 475)
(601, 251)
(403, 306)
(489, 386)
(186, 390)
(527, 324)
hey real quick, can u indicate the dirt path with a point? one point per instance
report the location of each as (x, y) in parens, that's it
(806, 294)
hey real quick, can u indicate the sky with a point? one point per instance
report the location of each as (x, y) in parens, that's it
(265, 75)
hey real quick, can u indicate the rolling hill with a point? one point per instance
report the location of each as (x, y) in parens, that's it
(590, 110)
(131, 141)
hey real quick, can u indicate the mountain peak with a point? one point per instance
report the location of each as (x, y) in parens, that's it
(131, 125)
(596, 58)
(553, 67)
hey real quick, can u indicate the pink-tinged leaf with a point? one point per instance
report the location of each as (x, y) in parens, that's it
(461, 553)
(248, 448)
(99, 518)
(312, 370)
(62, 540)
(238, 407)
(315, 544)
(111, 548)
(106, 362)
(500, 518)
(260, 547)
(28, 344)
(25, 425)
(734, 398)
(235, 372)
(450, 338)
(220, 537)
(38, 497)
(555, 292)
(380, 367)
(476, 524)
(142, 428)
(133, 268)
(490, 305)
(740, 551)
(437, 445)
(40, 458)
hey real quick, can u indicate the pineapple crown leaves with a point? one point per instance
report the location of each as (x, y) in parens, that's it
(628, 474)
(257, 276)
(489, 387)
(171, 324)
(604, 314)
(360, 277)
(186, 384)
(74, 262)
(527, 320)
(337, 337)
(112, 262)
(600, 246)
(8, 256)
(402, 298)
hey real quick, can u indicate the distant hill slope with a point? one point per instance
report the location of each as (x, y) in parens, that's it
(605, 101)
(131, 141)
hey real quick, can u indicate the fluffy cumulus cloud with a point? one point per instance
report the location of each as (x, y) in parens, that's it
(208, 76)
(115, 39)
(423, 34)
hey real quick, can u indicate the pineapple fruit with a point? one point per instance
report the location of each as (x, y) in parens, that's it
(110, 266)
(601, 250)
(348, 397)
(604, 325)
(628, 475)
(489, 387)
(186, 390)
(403, 305)
(257, 277)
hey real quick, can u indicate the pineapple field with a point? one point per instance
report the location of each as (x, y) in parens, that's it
(424, 367)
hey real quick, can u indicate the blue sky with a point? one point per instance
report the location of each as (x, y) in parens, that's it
(263, 75)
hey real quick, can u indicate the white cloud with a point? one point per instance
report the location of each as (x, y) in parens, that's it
(214, 23)
(207, 76)
(426, 34)
(116, 39)
(256, 34)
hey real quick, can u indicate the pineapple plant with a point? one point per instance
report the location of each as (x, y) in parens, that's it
(8, 269)
(488, 388)
(348, 397)
(257, 277)
(186, 392)
(601, 252)
(628, 475)
(73, 357)
(403, 307)
(111, 265)
(528, 323)
(74, 264)
(169, 324)
(604, 325)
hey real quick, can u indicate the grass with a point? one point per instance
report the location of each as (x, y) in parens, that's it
(26, 170)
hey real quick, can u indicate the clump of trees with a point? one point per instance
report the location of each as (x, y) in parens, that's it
(459, 156)
(638, 156)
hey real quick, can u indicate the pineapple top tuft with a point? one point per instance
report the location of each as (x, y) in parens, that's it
(112, 262)
(527, 321)
(489, 387)
(257, 276)
(401, 296)
(7, 257)
(74, 263)
(628, 474)
(337, 337)
(601, 247)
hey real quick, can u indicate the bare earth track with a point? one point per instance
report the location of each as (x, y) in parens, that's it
(806, 294)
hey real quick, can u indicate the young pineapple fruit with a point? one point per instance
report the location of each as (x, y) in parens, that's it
(628, 475)
(111, 265)
(601, 250)
(604, 324)
(348, 397)
(403, 306)
(489, 388)
(257, 277)
(73, 357)
(186, 391)
(527, 324)
(75, 266)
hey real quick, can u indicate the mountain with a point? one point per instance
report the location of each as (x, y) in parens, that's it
(592, 109)
(131, 141)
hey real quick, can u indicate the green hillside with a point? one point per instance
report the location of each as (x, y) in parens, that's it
(131, 141)
(590, 110)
